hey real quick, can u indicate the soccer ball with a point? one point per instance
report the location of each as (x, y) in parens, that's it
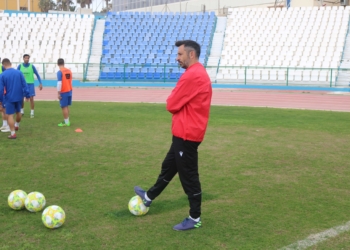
(136, 206)
(53, 217)
(16, 199)
(35, 202)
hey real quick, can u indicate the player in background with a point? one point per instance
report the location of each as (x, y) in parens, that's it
(4, 126)
(64, 90)
(29, 71)
(13, 81)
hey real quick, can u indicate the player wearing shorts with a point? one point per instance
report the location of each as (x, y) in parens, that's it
(64, 89)
(29, 71)
(13, 81)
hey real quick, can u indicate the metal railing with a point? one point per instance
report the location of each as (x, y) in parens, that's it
(242, 75)
(285, 76)
(48, 71)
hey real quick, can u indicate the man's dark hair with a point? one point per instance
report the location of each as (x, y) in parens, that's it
(6, 61)
(190, 44)
(26, 55)
(60, 62)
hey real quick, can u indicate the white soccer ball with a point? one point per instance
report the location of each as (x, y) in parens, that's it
(35, 202)
(16, 199)
(53, 217)
(136, 206)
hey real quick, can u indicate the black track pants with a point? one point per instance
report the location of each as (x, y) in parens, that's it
(182, 158)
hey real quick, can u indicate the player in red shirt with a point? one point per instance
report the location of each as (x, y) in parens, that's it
(189, 104)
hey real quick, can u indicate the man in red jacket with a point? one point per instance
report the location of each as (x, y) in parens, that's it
(189, 103)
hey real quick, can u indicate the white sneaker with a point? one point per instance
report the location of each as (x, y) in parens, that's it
(3, 127)
(7, 129)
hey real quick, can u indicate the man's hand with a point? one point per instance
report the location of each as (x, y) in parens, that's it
(59, 97)
(40, 86)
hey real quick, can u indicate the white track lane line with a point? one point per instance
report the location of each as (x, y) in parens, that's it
(314, 239)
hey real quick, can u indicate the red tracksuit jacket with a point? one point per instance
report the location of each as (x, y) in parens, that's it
(189, 102)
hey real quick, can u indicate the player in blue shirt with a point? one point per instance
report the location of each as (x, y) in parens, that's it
(29, 71)
(2, 108)
(13, 81)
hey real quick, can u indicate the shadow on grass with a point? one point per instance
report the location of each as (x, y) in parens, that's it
(159, 206)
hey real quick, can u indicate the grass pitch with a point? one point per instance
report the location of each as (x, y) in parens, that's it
(270, 177)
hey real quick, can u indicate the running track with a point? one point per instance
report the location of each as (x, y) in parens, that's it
(313, 100)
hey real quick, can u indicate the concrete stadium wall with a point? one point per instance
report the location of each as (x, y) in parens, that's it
(215, 5)
(210, 5)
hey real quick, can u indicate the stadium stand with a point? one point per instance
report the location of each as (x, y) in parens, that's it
(299, 45)
(216, 48)
(46, 37)
(308, 40)
(140, 45)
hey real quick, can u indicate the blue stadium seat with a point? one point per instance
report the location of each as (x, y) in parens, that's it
(103, 76)
(173, 76)
(149, 76)
(133, 76)
(157, 76)
(110, 75)
(142, 60)
(118, 75)
(141, 76)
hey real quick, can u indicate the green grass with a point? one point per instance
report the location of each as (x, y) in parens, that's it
(270, 177)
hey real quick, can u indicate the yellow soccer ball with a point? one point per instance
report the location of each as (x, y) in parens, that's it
(16, 199)
(136, 206)
(53, 217)
(35, 202)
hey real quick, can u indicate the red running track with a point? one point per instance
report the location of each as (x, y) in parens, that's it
(313, 100)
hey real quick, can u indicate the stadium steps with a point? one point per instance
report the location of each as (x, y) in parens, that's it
(217, 44)
(96, 51)
(344, 76)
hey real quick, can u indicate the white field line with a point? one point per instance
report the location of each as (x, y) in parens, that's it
(314, 239)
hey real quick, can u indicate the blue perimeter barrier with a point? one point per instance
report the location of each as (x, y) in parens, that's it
(77, 84)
